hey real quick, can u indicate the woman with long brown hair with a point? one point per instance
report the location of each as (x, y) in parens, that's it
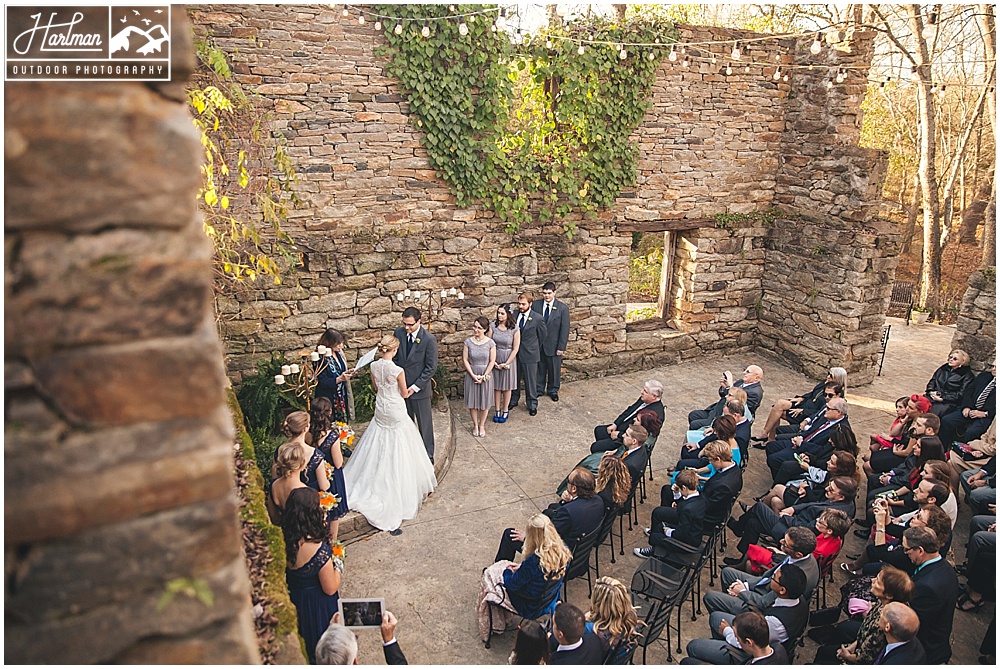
(614, 482)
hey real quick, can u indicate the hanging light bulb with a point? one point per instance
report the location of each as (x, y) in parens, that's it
(840, 76)
(684, 50)
(580, 50)
(729, 70)
(651, 56)
(785, 77)
(361, 19)
(398, 29)
(493, 27)
(747, 68)
(451, 8)
(673, 55)
(817, 45)
(560, 11)
(472, 18)
(737, 52)
(829, 83)
(425, 31)
(346, 12)
(777, 74)
(463, 29)
(686, 62)
(623, 54)
(777, 57)
(501, 22)
(548, 44)
(378, 25)
(713, 59)
(930, 28)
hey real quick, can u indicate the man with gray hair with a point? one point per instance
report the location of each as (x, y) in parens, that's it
(609, 437)
(816, 444)
(900, 624)
(338, 645)
(750, 383)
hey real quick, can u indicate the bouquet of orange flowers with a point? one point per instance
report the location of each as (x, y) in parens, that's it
(338, 555)
(346, 433)
(328, 502)
(329, 469)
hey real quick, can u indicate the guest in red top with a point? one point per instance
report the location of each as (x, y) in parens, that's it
(832, 526)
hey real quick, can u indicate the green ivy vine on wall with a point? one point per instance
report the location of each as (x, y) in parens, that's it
(540, 123)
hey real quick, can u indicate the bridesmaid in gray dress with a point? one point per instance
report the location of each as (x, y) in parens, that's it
(479, 356)
(508, 339)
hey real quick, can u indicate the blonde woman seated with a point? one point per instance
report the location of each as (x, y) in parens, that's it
(612, 617)
(291, 462)
(518, 588)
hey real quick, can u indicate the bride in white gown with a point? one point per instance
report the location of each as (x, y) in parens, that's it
(389, 474)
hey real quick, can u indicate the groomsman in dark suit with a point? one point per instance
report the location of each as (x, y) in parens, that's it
(418, 356)
(533, 333)
(609, 437)
(555, 314)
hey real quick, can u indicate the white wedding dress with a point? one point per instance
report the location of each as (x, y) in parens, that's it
(389, 474)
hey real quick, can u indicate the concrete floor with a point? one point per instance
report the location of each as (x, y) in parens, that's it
(430, 574)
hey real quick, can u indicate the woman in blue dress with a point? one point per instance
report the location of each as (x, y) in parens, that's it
(334, 382)
(313, 572)
(326, 438)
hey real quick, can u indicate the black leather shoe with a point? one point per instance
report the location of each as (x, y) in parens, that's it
(733, 561)
(864, 533)
(734, 525)
(532, 412)
(758, 444)
(555, 397)
(396, 532)
(743, 505)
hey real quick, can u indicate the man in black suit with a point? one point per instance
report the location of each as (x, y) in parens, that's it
(609, 437)
(979, 407)
(689, 511)
(742, 591)
(935, 592)
(533, 333)
(720, 491)
(636, 457)
(761, 518)
(418, 356)
(815, 442)
(578, 512)
(555, 314)
(900, 624)
(570, 643)
(750, 383)
(339, 645)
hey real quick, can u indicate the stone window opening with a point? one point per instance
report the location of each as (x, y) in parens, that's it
(663, 313)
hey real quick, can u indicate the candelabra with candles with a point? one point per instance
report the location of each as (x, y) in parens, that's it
(301, 379)
(430, 302)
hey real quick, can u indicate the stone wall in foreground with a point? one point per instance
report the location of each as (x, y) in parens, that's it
(118, 469)
(977, 319)
(376, 219)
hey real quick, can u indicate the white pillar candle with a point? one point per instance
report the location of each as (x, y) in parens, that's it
(444, 294)
(279, 379)
(406, 293)
(452, 291)
(314, 356)
(295, 369)
(461, 295)
(399, 297)
(416, 294)
(286, 370)
(323, 350)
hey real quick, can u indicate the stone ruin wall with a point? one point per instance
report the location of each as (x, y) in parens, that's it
(377, 219)
(118, 446)
(976, 332)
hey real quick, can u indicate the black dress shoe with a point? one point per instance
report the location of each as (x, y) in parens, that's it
(762, 440)
(532, 412)
(759, 444)
(743, 505)
(396, 532)
(555, 397)
(733, 561)
(734, 525)
(864, 533)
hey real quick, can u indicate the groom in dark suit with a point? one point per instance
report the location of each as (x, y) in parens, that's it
(556, 317)
(418, 356)
(533, 332)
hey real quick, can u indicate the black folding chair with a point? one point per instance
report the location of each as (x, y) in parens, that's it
(622, 652)
(657, 590)
(650, 445)
(628, 508)
(580, 564)
(532, 608)
(608, 524)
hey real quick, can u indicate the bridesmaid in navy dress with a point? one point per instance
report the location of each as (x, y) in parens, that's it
(327, 439)
(296, 428)
(313, 572)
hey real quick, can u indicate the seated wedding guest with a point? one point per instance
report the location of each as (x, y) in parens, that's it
(786, 618)
(339, 645)
(860, 642)
(635, 457)
(832, 391)
(947, 386)
(980, 564)
(750, 383)
(612, 617)
(531, 646)
(809, 488)
(796, 409)
(614, 482)
(736, 408)
(885, 545)
(723, 429)
(683, 522)
(893, 454)
(313, 569)
(577, 513)
(609, 437)
(901, 625)
(761, 519)
(570, 643)
(977, 410)
(935, 592)
(894, 435)
(816, 442)
(742, 591)
(980, 486)
(291, 462)
(904, 477)
(754, 637)
(516, 586)
(719, 491)
(831, 528)
(973, 455)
